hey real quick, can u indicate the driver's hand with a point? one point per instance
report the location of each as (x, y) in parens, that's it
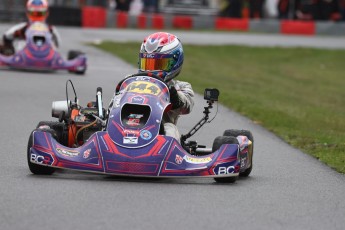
(174, 98)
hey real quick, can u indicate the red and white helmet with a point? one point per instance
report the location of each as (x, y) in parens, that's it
(37, 10)
(161, 53)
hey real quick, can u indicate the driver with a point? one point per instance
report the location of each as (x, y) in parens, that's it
(161, 54)
(36, 11)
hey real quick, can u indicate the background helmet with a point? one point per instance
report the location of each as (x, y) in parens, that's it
(162, 54)
(37, 10)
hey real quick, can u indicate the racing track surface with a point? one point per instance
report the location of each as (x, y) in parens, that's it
(286, 190)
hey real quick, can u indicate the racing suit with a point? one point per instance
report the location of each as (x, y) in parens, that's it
(18, 32)
(182, 104)
(185, 106)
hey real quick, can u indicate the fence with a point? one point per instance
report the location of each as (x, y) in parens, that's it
(97, 14)
(12, 10)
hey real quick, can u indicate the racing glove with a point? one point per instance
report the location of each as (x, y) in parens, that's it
(174, 98)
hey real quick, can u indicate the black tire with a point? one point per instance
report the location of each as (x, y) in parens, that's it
(249, 135)
(36, 168)
(59, 128)
(72, 54)
(80, 72)
(223, 140)
(219, 141)
(226, 180)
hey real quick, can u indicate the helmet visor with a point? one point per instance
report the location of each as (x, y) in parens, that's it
(155, 62)
(36, 13)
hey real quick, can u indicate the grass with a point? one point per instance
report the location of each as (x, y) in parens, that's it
(297, 93)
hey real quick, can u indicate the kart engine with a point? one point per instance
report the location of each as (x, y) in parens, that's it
(85, 124)
(79, 123)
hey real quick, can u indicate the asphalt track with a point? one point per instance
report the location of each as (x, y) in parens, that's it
(286, 190)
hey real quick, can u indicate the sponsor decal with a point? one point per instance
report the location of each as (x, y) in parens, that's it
(142, 78)
(145, 134)
(226, 170)
(194, 160)
(129, 132)
(35, 158)
(149, 55)
(138, 100)
(117, 100)
(136, 116)
(133, 122)
(243, 161)
(243, 141)
(223, 169)
(178, 159)
(130, 140)
(86, 153)
(68, 153)
(144, 87)
(80, 68)
(134, 119)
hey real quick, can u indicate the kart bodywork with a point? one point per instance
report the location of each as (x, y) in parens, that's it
(131, 144)
(39, 53)
(163, 157)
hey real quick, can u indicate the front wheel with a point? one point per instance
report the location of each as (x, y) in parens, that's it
(37, 168)
(72, 54)
(229, 180)
(217, 143)
(249, 135)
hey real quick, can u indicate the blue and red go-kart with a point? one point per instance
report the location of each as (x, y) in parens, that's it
(39, 53)
(129, 140)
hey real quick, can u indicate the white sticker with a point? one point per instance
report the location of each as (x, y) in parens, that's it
(130, 140)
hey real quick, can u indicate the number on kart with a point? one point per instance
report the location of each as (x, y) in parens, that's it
(143, 87)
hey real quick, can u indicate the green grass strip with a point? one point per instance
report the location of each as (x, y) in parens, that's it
(297, 93)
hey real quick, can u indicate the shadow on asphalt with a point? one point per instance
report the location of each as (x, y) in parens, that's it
(61, 174)
(38, 72)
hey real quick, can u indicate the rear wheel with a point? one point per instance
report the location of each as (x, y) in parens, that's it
(249, 135)
(217, 143)
(37, 168)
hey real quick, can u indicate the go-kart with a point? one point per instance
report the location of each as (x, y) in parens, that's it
(39, 53)
(128, 139)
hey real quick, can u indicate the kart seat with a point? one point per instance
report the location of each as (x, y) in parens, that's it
(134, 115)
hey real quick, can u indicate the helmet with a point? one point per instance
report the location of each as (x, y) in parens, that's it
(162, 54)
(37, 10)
